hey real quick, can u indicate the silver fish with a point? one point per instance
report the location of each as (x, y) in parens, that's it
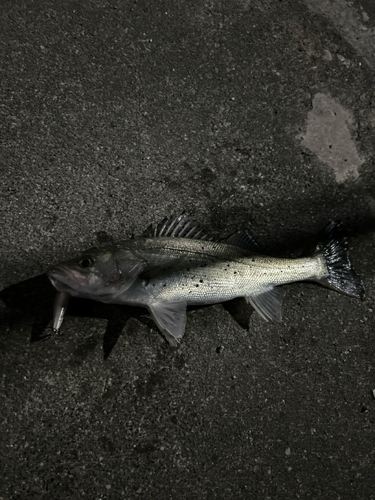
(176, 264)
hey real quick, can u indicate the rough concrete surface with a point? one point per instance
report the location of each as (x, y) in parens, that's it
(115, 114)
(355, 20)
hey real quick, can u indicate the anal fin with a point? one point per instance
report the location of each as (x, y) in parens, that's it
(170, 318)
(268, 304)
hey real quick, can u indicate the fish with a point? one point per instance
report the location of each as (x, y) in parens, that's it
(177, 264)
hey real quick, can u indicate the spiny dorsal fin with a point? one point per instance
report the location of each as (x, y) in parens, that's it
(177, 227)
(244, 240)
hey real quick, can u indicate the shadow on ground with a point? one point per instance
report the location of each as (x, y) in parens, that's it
(31, 301)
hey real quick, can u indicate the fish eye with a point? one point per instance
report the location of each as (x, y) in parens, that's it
(86, 262)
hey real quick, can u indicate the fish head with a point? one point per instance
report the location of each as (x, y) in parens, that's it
(95, 274)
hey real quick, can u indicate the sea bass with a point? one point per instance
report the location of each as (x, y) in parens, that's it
(176, 264)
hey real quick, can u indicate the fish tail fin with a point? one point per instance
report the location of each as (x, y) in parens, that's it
(341, 275)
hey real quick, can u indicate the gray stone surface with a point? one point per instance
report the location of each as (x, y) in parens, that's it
(116, 114)
(329, 136)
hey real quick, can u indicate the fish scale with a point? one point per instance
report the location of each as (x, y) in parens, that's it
(177, 265)
(231, 272)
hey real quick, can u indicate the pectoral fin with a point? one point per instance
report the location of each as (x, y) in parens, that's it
(268, 304)
(170, 318)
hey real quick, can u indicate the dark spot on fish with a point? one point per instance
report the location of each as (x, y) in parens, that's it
(197, 285)
(252, 260)
(200, 281)
(165, 284)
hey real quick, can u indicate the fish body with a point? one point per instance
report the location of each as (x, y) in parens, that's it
(179, 266)
(205, 272)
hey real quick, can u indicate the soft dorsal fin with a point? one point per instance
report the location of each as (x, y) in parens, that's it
(268, 304)
(170, 318)
(177, 227)
(244, 240)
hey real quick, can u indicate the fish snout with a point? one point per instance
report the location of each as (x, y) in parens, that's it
(62, 274)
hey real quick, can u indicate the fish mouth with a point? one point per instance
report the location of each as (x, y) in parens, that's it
(64, 277)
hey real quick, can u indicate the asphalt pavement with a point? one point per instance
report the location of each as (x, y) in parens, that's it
(256, 114)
